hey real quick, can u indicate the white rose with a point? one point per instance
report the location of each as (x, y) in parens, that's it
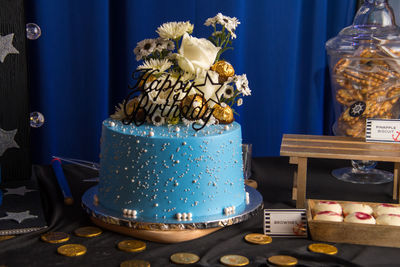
(196, 55)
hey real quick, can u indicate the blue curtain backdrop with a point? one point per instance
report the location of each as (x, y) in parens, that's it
(81, 66)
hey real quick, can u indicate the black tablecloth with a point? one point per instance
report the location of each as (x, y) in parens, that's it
(274, 177)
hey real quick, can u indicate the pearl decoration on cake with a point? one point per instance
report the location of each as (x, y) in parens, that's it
(229, 210)
(112, 124)
(151, 133)
(184, 216)
(129, 213)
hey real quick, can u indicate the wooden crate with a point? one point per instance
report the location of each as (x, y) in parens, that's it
(352, 233)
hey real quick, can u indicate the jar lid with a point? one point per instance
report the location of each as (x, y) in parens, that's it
(374, 26)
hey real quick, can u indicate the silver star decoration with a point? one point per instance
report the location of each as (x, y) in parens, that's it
(18, 216)
(17, 191)
(7, 140)
(6, 46)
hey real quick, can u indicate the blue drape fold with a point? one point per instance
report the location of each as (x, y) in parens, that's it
(81, 66)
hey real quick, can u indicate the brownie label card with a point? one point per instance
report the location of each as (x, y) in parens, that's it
(285, 222)
(382, 130)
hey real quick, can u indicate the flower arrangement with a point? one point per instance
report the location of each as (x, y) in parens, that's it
(182, 79)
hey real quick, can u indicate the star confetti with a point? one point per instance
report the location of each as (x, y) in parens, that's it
(18, 191)
(7, 140)
(18, 216)
(6, 46)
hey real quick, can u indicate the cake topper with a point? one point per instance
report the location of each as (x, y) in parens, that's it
(190, 85)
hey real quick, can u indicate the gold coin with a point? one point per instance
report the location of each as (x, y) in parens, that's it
(55, 237)
(282, 260)
(184, 258)
(71, 250)
(135, 263)
(88, 231)
(6, 237)
(323, 248)
(132, 245)
(258, 239)
(234, 260)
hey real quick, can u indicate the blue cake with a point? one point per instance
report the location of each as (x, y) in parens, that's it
(171, 150)
(171, 172)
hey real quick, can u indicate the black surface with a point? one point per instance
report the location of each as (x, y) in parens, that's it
(14, 95)
(30, 201)
(274, 177)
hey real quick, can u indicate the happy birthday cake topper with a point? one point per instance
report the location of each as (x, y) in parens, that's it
(191, 85)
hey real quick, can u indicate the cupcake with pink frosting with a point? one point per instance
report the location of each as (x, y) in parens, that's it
(330, 216)
(360, 217)
(328, 206)
(386, 209)
(388, 219)
(356, 207)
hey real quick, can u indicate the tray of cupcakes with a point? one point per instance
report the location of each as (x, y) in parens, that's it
(364, 223)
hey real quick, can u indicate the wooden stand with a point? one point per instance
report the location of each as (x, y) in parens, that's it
(301, 147)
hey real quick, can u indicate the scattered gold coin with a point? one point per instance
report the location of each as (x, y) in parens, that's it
(258, 239)
(72, 250)
(323, 248)
(184, 258)
(132, 245)
(234, 260)
(6, 237)
(88, 231)
(55, 237)
(282, 260)
(135, 263)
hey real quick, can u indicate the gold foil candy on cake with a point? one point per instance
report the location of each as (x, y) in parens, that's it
(282, 260)
(224, 114)
(234, 260)
(135, 263)
(323, 248)
(193, 107)
(131, 245)
(88, 231)
(72, 250)
(224, 69)
(55, 237)
(184, 258)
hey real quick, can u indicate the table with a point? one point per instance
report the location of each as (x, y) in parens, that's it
(274, 178)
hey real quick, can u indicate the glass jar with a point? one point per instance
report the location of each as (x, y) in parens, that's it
(364, 63)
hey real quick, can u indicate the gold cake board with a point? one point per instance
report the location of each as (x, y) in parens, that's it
(160, 236)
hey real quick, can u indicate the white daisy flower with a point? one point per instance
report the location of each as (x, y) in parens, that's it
(229, 23)
(144, 48)
(241, 83)
(156, 64)
(228, 92)
(239, 102)
(164, 44)
(157, 119)
(174, 30)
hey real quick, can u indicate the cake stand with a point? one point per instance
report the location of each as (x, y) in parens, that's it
(166, 230)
